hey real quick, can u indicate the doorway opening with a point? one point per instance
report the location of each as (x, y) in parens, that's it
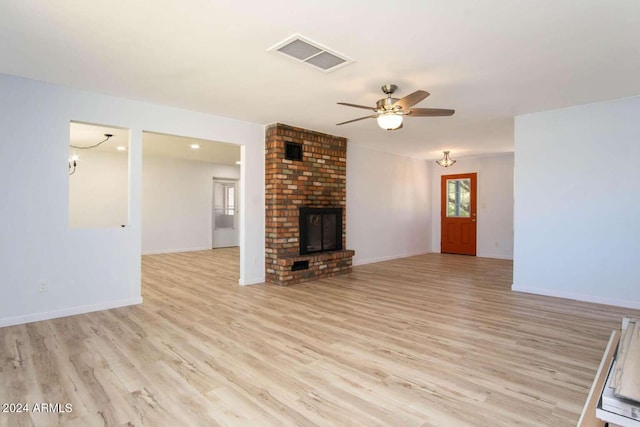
(178, 210)
(458, 214)
(225, 213)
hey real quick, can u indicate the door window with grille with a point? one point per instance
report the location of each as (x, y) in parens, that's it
(458, 198)
(224, 205)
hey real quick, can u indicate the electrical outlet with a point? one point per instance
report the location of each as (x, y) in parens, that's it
(44, 287)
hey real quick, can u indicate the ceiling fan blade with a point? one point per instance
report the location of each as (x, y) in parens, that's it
(356, 106)
(355, 120)
(411, 99)
(430, 112)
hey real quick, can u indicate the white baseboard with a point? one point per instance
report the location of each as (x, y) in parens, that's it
(254, 281)
(479, 255)
(71, 311)
(388, 258)
(173, 251)
(578, 297)
(495, 256)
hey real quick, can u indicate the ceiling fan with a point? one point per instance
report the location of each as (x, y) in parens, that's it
(389, 111)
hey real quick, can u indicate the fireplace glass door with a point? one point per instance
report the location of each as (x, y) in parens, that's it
(320, 230)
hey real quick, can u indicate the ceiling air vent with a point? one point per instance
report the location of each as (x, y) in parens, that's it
(311, 53)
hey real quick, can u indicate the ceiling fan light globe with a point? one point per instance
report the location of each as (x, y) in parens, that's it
(389, 121)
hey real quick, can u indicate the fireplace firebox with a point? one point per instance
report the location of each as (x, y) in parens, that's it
(320, 230)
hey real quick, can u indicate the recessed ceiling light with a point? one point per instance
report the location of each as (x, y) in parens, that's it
(195, 146)
(121, 148)
(238, 162)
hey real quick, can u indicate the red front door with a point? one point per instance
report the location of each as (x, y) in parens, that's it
(458, 214)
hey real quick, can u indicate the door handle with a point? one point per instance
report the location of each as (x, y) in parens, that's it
(473, 220)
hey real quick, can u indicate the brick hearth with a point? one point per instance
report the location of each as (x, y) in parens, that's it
(318, 180)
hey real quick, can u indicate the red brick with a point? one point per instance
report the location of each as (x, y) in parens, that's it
(317, 181)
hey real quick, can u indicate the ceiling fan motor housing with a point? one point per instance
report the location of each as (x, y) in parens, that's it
(389, 88)
(386, 104)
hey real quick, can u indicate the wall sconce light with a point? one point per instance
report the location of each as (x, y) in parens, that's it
(445, 161)
(73, 160)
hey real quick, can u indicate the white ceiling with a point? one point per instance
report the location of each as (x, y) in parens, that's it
(161, 145)
(153, 144)
(88, 135)
(489, 60)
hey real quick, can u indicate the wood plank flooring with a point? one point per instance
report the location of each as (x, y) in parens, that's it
(431, 340)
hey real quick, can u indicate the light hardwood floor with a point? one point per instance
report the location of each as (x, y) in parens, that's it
(432, 340)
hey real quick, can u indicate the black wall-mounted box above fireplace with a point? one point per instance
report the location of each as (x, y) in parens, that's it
(320, 230)
(292, 150)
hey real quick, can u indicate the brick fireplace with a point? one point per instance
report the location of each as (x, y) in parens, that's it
(305, 169)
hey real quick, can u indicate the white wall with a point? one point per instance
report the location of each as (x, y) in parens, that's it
(177, 203)
(92, 269)
(99, 190)
(388, 205)
(577, 232)
(494, 238)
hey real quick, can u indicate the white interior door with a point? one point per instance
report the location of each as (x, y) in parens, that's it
(225, 213)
